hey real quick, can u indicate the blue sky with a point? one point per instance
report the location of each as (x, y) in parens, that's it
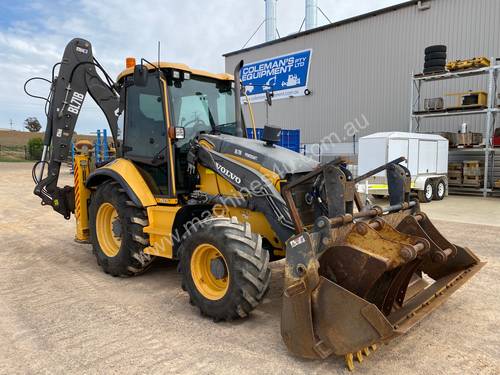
(33, 35)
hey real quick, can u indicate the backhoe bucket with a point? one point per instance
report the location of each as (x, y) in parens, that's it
(357, 280)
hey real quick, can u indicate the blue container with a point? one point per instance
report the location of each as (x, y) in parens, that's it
(290, 139)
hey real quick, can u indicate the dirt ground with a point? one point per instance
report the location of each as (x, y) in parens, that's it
(60, 314)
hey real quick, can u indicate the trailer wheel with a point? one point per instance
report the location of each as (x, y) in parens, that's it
(224, 268)
(116, 232)
(425, 196)
(439, 190)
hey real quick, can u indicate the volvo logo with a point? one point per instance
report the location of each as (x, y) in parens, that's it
(228, 173)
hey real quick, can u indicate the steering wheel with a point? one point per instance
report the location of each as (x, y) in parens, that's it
(191, 128)
(195, 126)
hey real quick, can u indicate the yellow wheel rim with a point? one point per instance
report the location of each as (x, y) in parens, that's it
(108, 241)
(206, 282)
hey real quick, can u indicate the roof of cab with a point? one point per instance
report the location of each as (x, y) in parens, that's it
(182, 67)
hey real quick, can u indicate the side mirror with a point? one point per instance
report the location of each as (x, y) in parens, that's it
(140, 75)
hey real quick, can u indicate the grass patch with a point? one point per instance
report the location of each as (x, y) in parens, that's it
(14, 160)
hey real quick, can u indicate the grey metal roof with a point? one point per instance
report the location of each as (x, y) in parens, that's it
(327, 26)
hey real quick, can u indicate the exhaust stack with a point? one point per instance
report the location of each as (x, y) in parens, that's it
(311, 14)
(270, 20)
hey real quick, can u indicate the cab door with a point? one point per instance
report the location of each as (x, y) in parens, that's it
(145, 138)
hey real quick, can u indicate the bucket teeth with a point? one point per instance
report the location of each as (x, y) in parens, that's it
(349, 361)
(373, 347)
(349, 358)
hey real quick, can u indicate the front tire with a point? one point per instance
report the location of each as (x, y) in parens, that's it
(224, 268)
(116, 232)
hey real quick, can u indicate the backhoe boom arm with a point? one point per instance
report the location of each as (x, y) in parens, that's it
(77, 77)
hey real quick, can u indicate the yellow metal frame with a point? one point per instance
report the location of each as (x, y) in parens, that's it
(171, 165)
(475, 62)
(482, 99)
(270, 175)
(128, 171)
(82, 195)
(259, 224)
(181, 67)
(161, 221)
(214, 184)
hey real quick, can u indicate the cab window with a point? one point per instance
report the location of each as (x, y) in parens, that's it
(145, 130)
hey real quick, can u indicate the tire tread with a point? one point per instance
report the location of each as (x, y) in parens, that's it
(249, 267)
(134, 261)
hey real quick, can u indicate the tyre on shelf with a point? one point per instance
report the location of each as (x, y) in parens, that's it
(435, 55)
(435, 48)
(436, 62)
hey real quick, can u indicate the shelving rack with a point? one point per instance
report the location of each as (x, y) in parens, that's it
(416, 114)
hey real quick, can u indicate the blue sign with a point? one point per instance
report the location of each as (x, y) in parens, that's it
(285, 76)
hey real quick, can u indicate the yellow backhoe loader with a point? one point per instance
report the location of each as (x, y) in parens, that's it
(188, 184)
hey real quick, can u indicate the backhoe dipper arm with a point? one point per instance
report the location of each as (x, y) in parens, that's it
(77, 76)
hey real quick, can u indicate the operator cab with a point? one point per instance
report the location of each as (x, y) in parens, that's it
(187, 101)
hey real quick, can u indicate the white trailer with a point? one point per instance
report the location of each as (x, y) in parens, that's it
(426, 158)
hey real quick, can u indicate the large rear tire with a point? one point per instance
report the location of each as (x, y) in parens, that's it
(116, 232)
(224, 268)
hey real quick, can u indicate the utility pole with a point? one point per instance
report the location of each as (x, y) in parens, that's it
(10, 124)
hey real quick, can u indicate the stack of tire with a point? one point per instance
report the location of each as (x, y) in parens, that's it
(435, 59)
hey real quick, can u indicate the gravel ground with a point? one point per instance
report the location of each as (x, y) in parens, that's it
(60, 314)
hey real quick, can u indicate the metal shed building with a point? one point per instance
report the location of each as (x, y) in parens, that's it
(360, 68)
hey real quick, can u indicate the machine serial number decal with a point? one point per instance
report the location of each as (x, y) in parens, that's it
(245, 154)
(297, 241)
(76, 103)
(226, 172)
(250, 156)
(82, 50)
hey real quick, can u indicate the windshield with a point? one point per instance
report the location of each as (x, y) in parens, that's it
(202, 104)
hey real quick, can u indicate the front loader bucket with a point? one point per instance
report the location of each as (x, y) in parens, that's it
(352, 286)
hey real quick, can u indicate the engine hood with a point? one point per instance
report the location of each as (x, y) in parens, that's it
(277, 159)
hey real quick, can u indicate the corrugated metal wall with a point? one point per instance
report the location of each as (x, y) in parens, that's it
(361, 70)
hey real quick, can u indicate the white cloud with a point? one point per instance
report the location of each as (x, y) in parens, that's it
(194, 32)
